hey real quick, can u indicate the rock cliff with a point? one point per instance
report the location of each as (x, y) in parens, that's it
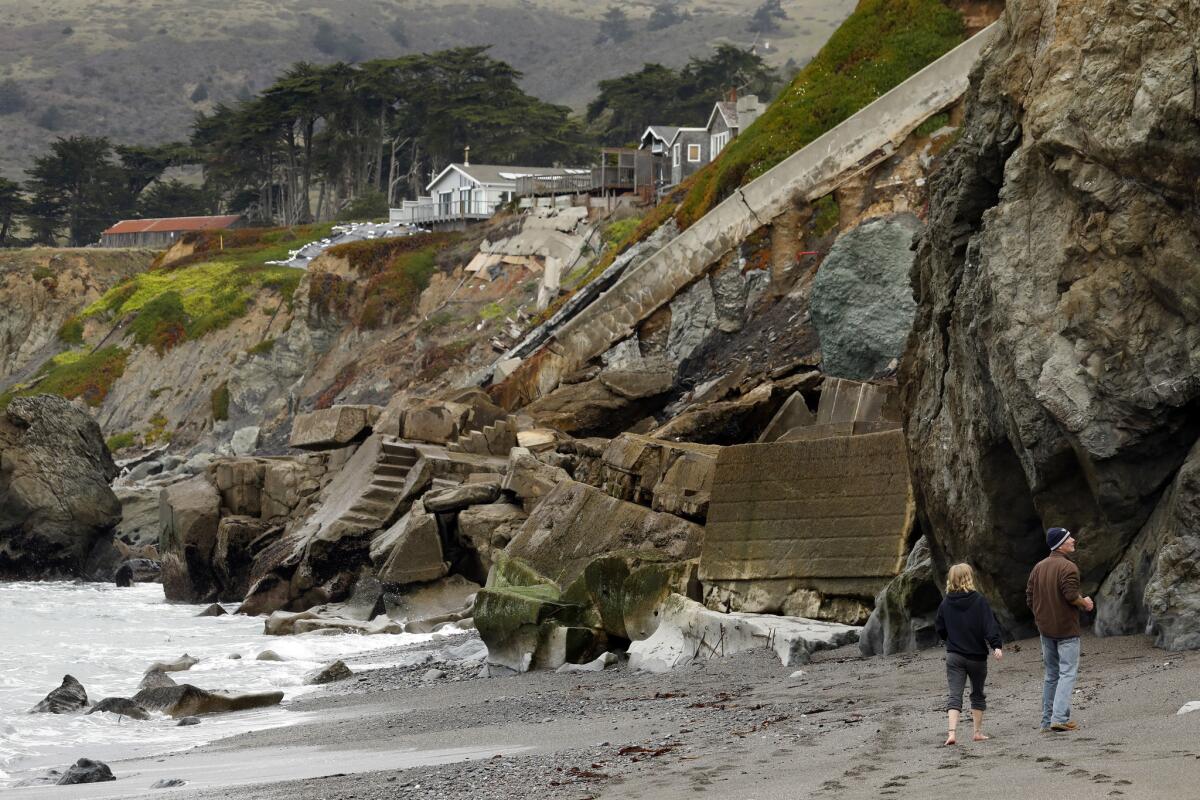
(55, 500)
(1052, 377)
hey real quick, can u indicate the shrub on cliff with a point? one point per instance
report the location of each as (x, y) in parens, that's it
(75, 373)
(397, 270)
(204, 292)
(881, 44)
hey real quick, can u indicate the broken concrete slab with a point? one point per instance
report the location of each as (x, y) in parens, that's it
(189, 513)
(640, 380)
(687, 632)
(815, 512)
(576, 522)
(531, 479)
(639, 468)
(851, 401)
(452, 595)
(685, 489)
(487, 529)
(794, 413)
(416, 553)
(436, 422)
(537, 439)
(723, 422)
(832, 429)
(333, 427)
(460, 497)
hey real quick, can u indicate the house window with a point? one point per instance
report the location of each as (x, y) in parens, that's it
(675, 155)
(718, 142)
(693, 153)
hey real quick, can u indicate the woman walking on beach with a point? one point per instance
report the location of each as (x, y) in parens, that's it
(966, 624)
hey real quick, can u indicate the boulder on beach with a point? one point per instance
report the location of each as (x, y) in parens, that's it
(215, 610)
(186, 721)
(68, 697)
(187, 700)
(55, 501)
(121, 706)
(85, 770)
(269, 655)
(337, 671)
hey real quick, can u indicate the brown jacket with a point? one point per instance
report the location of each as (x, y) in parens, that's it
(1051, 592)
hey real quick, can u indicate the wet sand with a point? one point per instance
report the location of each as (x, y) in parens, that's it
(737, 728)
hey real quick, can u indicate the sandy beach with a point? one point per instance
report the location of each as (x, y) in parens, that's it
(738, 727)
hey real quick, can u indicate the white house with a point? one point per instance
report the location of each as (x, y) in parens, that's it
(465, 192)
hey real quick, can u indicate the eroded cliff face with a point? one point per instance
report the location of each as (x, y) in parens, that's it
(41, 287)
(1053, 374)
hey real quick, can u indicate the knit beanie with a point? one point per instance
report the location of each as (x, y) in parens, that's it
(1055, 537)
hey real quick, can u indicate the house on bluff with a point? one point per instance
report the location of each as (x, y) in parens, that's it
(686, 150)
(465, 192)
(162, 232)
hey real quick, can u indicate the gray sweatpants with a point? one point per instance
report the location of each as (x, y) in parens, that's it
(958, 669)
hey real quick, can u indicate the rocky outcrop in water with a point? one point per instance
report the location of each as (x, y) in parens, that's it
(69, 696)
(1052, 378)
(186, 700)
(55, 500)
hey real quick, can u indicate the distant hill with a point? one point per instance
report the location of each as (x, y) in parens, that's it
(138, 70)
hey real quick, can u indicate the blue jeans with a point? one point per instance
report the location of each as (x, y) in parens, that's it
(1061, 658)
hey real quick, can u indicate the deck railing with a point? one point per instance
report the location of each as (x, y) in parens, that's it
(429, 210)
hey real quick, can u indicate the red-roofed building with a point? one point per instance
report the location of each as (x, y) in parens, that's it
(163, 232)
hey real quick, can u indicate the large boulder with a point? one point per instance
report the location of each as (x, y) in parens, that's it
(190, 513)
(85, 770)
(1052, 376)
(905, 609)
(55, 500)
(862, 303)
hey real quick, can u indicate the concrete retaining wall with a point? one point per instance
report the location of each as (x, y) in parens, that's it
(832, 508)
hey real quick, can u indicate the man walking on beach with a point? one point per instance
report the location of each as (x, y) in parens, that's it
(1053, 595)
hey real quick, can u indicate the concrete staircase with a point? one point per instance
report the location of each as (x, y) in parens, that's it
(377, 503)
(494, 440)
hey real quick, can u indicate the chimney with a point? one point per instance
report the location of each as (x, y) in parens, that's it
(467, 156)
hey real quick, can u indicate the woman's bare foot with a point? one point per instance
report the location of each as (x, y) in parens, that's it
(980, 737)
(951, 739)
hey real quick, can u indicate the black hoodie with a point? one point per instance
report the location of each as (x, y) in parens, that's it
(966, 623)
